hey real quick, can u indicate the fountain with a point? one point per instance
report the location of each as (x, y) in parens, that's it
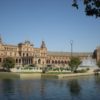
(89, 62)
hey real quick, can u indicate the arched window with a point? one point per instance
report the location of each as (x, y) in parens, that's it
(52, 62)
(39, 61)
(65, 62)
(55, 61)
(27, 54)
(0, 59)
(16, 60)
(23, 54)
(59, 62)
(62, 62)
(47, 61)
(19, 60)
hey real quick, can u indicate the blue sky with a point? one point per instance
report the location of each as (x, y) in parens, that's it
(54, 21)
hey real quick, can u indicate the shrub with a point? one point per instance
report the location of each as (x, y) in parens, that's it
(56, 69)
(80, 71)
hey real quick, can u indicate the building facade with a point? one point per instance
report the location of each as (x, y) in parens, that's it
(26, 54)
(97, 53)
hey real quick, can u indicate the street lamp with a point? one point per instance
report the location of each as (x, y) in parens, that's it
(71, 43)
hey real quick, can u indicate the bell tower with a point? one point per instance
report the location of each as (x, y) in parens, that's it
(43, 45)
(0, 39)
(43, 50)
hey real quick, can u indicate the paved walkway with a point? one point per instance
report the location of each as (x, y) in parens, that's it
(61, 76)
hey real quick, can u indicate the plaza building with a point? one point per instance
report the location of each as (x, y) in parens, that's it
(27, 54)
(96, 53)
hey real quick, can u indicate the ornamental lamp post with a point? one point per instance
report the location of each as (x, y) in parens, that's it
(71, 43)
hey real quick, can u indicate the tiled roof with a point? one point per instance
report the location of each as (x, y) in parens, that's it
(69, 53)
(9, 45)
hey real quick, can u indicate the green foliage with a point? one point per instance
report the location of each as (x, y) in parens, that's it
(92, 7)
(98, 63)
(74, 63)
(33, 65)
(81, 71)
(8, 63)
(61, 69)
(44, 69)
(87, 69)
(49, 68)
(56, 69)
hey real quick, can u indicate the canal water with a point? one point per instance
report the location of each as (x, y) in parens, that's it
(77, 88)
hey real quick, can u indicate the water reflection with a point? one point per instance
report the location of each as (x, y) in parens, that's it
(97, 83)
(74, 87)
(47, 89)
(42, 88)
(7, 88)
(97, 80)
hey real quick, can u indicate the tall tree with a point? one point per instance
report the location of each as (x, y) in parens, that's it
(74, 63)
(8, 63)
(92, 7)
